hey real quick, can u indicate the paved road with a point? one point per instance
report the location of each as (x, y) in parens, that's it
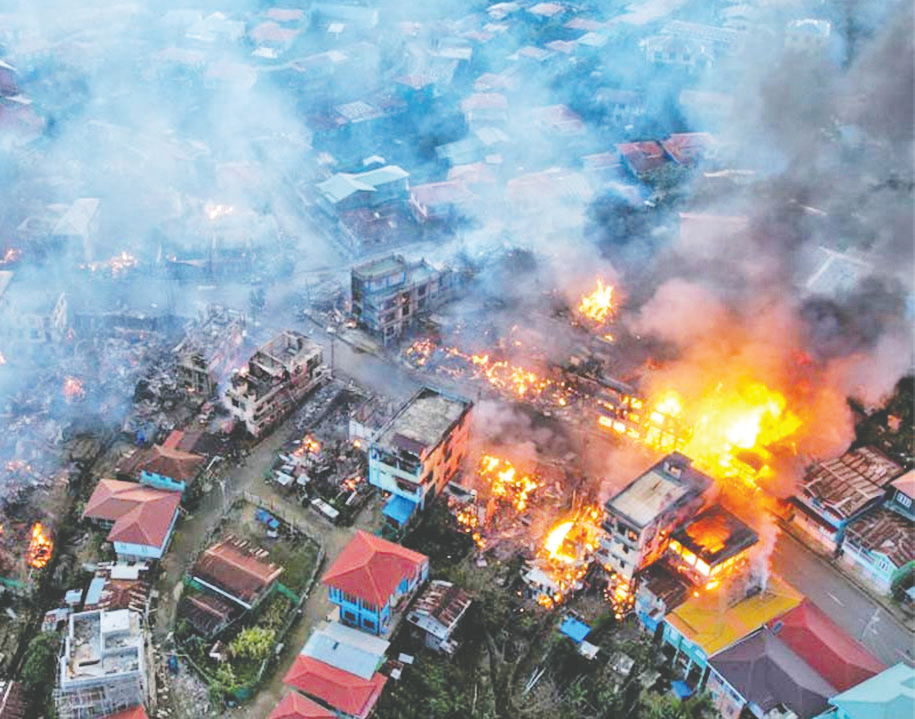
(853, 610)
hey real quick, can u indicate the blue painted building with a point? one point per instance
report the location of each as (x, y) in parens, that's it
(372, 580)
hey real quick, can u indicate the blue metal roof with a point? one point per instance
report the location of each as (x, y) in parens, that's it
(94, 593)
(400, 509)
(681, 689)
(574, 629)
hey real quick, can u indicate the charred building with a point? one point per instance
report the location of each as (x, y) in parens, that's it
(712, 546)
(390, 293)
(639, 519)
(275, 380)
(207, 353)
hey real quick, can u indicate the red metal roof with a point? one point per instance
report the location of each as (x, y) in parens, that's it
(237, 568)
(642, 156)
(295, 706)
(141, 515)
(172, 463)
(342, 690)
(371, 568)
(833, 654)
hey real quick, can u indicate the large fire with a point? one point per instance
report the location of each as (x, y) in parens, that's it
(598, 306)
(727, 431)
(565, 554)
(506, 482)
(40, 548)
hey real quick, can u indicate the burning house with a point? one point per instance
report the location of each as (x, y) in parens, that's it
(275, 380)
(103, 664)
(639, 519)
(390, 293)
(713, 545)
(436, 613)
(419, 451)
(208, 352)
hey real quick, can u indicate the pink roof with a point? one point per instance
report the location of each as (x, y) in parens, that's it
(141, 515)
(281, 14)
(344, 691)
(272, 32)
(906, 483)
(484, 101)
(370, 568)
(475, 173)
(825, 646)
(440, 193)
(688, 147)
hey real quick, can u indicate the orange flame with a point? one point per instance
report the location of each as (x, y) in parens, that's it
(718, 430)
(40, 547)
(598, 306)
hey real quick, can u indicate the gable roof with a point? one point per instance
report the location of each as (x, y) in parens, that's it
(371, 568)
(889, 695)
(170, 462)
(826, 647)
(341, 690)
(237, 568)
(349, 650)
(705, 622)
(141, 515)
(767, 673)
(296, 706)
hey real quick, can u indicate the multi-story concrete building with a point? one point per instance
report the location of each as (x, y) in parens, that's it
(275, 380)
(419, 451)
(208, 351)
(102, 668)
(390, 293)
(372, 579)
(31, 316)
(638, 520)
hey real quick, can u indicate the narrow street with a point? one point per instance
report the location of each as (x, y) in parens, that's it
(862, 617)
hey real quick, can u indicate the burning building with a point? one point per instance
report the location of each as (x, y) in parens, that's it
(103, 665)
(713, 545)
(638, 520)
(207, 354)
(419, 451)
(275, 380)
(390, 293)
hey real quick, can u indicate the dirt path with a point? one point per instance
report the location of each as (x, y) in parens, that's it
(192, 530)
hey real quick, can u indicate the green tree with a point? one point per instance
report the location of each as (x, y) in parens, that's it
(253, 643)
(39, 670)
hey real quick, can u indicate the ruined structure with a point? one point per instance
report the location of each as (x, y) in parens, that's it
(103, 665)
(206, 355)
(275, 380)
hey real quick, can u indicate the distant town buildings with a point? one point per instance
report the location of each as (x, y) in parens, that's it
(390, 294)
